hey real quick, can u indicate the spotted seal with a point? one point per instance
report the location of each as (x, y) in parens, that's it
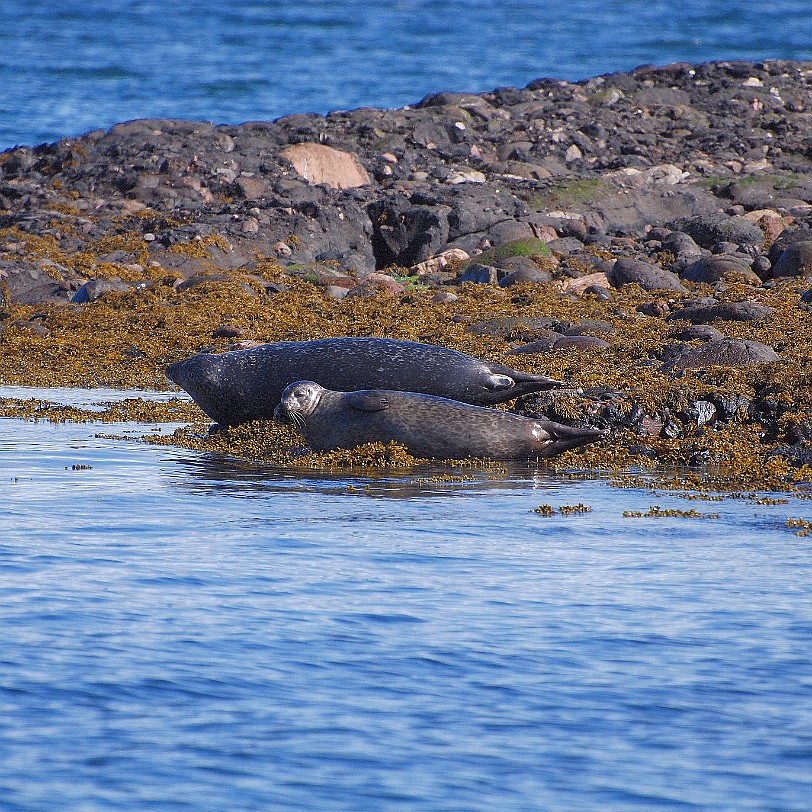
(429, 426)
(243, 385)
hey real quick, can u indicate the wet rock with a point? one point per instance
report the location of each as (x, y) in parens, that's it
(725, 352)
(26, 284)
(650, 277)
(722, 311)
(700, 412)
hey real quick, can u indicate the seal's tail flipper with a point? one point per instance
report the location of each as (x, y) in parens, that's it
(562, 438)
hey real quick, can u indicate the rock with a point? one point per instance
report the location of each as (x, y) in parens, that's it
(406, 235)
(701, 332)
(709, 229)
(96, 288)
(481, 274)
(376, 283)
(437, 263)
(318, 163)
(649, 277)
(717, 267)
(655, 309)
(796, 260)
(228, 331)
(335, 291)
(725, 352)
(582, 284)
(510, 326)
(532, 275)
(681, 245)
(566, 245)
(722, 311)
(554, 342)
(23, 284)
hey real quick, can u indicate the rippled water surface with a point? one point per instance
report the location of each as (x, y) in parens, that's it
(178, 631)
(68, 67)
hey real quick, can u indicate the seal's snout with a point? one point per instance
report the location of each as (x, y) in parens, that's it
(280, 413)
(174, 372)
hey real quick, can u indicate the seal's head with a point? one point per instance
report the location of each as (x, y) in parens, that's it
(299, 401)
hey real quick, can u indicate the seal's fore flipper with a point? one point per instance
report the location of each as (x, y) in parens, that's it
(367, 401)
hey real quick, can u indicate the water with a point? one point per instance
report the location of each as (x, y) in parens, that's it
(70, 67)
(182, 632)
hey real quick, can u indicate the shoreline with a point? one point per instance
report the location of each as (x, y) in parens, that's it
(644, 236)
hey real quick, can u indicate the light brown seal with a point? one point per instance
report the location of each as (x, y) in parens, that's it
(236, 387)
(427, 425)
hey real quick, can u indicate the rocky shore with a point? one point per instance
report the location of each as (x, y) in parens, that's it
(645, 236)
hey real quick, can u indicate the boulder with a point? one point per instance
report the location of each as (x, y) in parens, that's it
(650, 277)
(318, 163)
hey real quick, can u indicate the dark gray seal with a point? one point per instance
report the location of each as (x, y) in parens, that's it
(427, 425)
(236, 387)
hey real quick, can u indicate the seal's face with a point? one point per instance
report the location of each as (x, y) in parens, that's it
(299, 400)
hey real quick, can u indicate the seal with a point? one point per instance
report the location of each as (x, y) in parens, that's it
(243, 385)
(429, 426)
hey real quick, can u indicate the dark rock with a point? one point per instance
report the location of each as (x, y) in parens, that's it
(509, 326)
(722, 311)
(655, 309)
(681, 245)
(96, 288)
(714, 268)
(405, 235)
(559, 342)
(481, 274)
(228, 331)
(534, 275)
(709, 229)
(796, 260)
(700, 412)
(725, 352)
(649, 277)
(566, 245)
(700, 332)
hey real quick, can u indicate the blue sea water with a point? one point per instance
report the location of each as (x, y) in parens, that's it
(182, 632)
(72, 66)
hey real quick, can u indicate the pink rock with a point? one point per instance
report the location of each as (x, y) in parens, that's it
(318, 163)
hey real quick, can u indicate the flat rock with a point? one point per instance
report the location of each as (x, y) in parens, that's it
(700, 332)
(318, 163)
(725, 352)
(722, 311)
(709, 229)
